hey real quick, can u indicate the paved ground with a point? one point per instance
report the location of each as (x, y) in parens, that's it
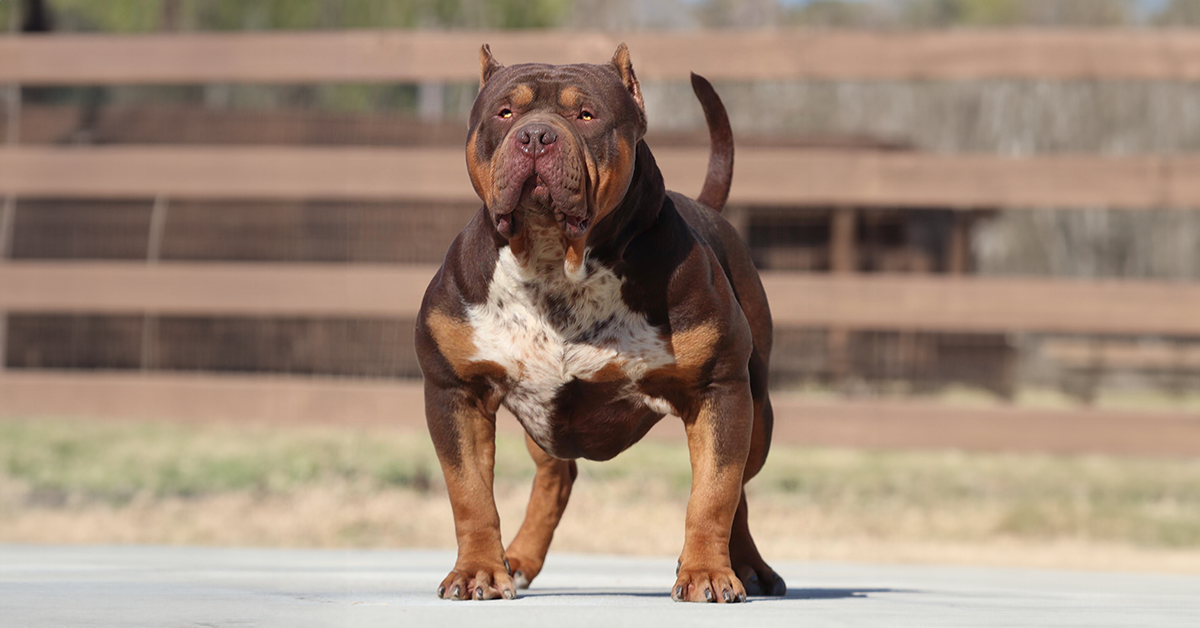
(61, 587)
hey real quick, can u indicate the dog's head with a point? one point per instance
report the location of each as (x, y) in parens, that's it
(554, 142)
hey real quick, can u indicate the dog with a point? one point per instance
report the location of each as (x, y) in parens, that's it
(591, 302)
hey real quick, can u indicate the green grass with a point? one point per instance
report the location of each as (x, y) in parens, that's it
(934, 495)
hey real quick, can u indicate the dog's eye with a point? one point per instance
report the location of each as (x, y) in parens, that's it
(505, 113)
(585, 115)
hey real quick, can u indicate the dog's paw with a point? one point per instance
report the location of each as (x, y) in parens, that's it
(478, 581)
(702, 584)
(760, 579)
(523, 570)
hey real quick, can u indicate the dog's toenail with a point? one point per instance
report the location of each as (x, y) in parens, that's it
(708, 595)
(728, 598)
(442, 591)
(741, 597)
(510, 594)
(479, 593)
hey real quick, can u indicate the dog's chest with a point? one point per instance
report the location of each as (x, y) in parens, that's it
(546, 330)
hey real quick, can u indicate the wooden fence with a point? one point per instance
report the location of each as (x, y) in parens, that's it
(373, 56)
(766, 176)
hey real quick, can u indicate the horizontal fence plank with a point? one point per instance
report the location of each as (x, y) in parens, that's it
(868, 302)
(243, 173)
(984, 304)
(216, 289)
(376, 56)
(878, 424)
(764, 176)
(915, 424)
(1108, 354)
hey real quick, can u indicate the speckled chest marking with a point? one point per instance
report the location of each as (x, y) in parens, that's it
(546, 329)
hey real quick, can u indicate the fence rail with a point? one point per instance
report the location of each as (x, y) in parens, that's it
(377, 56)
(874, 302)
(765, 176)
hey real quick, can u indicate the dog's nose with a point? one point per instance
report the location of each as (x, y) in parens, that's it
(536, 139)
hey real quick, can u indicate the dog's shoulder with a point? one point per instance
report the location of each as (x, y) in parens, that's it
(443, 331)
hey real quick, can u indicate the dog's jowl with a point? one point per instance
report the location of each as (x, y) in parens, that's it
(591, 302)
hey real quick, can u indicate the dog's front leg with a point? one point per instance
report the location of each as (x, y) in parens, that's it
(718, 434)
(551, 490)
(464, 434)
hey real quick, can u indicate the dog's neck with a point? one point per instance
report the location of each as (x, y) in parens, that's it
(543, 250)
(637, 211)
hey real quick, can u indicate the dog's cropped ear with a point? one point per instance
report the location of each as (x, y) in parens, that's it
(487, 64)
(624, 67)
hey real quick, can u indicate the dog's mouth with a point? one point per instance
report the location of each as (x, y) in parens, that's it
(537, 196)
(536, 192)
(573, 226)
(506, 224)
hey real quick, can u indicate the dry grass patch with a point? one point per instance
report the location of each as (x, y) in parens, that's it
(80, 482)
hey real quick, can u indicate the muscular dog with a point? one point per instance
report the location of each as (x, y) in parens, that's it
(590, 301)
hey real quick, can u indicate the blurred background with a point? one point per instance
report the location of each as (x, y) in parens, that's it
(976, 221)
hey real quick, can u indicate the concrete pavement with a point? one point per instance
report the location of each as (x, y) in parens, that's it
(131, 587)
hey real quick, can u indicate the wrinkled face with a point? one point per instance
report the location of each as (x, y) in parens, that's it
(554, 144)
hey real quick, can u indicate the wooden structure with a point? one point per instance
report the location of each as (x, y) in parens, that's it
(768, 176)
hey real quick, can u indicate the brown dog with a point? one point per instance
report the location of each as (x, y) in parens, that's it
(591, 302)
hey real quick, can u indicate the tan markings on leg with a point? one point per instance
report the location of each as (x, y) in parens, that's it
(469, 471)
(547, 502)
(717, 444)
(453, 338)
(521, 96)
(716, 487)
(693, 347)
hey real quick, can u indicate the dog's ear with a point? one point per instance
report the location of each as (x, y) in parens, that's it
(487, 64)
(624, 67)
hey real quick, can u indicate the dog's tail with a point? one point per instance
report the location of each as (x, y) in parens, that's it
(720, 158)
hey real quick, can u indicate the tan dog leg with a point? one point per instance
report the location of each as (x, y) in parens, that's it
(756, 575)
(464, 434)
(551, 490)
(719, 441)
(754, 572)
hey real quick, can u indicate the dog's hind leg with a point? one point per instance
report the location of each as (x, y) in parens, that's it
(748, 564)
(551, 490)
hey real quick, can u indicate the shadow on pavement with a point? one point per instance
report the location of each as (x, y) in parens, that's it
(591, 593)
(830, 594)
(794, 594)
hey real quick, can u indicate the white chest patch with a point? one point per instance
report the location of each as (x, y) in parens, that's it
(546, 329)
